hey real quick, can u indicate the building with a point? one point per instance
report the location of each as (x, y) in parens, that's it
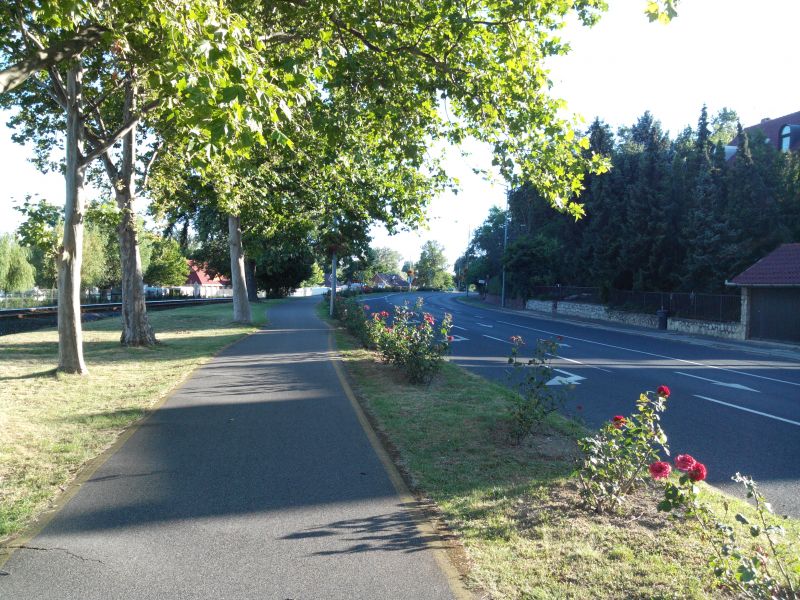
(201, 284)
(388, 280)
(782, 133)
(771, 295)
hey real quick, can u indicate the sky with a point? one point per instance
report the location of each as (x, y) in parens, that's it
(739, 54)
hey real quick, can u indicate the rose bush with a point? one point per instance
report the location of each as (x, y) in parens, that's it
(413, 342)
(536, 399)
(765, 567)
(616, 460)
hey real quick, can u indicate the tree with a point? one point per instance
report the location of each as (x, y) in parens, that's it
(194, 63)
(168, 266)
(431, 268)
(531, 262)
(16, 273)
(316, 278)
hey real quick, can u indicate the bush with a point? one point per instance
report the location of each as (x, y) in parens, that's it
(616, 460)
(413, 341)
(352, 315)
(536, 399)
(764, 565)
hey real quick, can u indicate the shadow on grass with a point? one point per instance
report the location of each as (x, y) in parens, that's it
(34, 375)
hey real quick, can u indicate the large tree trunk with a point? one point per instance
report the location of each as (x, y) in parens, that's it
(136, 329)
(241, 306)
(250, 279)
(70, 335)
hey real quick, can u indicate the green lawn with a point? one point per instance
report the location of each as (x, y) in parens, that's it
(52, 424)
(516, 509)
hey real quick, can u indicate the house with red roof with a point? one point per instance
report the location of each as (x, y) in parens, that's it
(771, 295)
(783, 133)
(202, 283)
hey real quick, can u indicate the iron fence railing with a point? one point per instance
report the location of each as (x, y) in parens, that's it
(39, 298)
(689, 305)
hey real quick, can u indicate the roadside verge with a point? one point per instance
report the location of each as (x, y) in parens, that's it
(515, 509)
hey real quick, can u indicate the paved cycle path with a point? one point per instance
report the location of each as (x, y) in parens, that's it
(254, 480)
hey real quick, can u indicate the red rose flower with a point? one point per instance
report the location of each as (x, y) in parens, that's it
(684, 462)
(660, 470)
(663, 391)
(429, 318)
(619, 421)
(516, 339)
(384, 314)
(697, 472)
(449, 338)
(366, 307)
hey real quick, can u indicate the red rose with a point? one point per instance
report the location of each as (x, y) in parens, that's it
(384, 314)
(684, 462)
(663, 391)
(516, 339)
(660, 470)
(449, 338)
(366, 307)
(697, 472)
(619, 421)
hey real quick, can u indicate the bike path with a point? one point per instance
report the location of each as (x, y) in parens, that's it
(254, 480)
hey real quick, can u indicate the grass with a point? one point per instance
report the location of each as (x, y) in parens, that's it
(516, 509)
(52, 424)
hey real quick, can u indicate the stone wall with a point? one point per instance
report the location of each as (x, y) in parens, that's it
(733, 331)
(599, 312)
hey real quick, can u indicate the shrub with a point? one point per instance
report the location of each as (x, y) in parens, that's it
(535, 399)
(352, 315)
(764, 566)
(413, 341)
(616, 460)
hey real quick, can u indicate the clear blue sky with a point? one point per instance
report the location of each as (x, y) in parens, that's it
(739, 54)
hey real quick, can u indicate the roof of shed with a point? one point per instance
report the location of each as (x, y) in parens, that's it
(779, 268)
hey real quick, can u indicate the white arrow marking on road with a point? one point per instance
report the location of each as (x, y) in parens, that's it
(459, 338)
(737, 386)
(688, 362)
(494, 338)
(570, 379)
(750, 410)
(483, 325)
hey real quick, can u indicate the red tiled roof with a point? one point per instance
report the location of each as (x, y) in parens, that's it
(780, 267)
(771, 129)
(198, 274)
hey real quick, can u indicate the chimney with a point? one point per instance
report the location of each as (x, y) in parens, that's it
(765, 120)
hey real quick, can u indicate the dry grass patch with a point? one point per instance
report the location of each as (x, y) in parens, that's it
(51, 424)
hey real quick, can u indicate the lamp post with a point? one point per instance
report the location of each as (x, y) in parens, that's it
(505, 242)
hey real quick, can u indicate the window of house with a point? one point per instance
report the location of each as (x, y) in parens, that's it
(786, 137)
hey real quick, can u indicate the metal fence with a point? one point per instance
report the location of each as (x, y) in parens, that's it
(39, 298)
(722, 308)
(567, 293)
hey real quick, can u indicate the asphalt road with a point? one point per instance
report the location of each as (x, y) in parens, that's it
(254, 480)
(733, 407)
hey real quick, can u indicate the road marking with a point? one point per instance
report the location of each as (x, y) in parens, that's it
(459, 338)
(461, 328)
(737, 386)
(567, 379)
(483, 325)
(688, 362)
(572, 360)
(750, 410)
(498, 339)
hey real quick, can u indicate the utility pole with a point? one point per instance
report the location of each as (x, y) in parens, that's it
(333, 281)
(505, 242)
